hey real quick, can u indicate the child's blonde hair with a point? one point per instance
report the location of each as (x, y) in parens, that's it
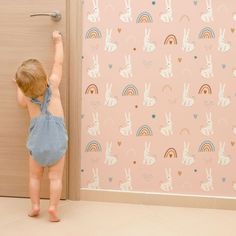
(31, 78)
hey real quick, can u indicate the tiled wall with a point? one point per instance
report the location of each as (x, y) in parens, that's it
(159, 96)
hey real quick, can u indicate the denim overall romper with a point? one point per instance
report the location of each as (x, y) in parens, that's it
(48, 140)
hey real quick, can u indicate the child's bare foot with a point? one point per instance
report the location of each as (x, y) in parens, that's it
(53, 215)
(34, 212)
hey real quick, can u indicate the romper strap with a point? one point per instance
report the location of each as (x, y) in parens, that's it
(44, 104)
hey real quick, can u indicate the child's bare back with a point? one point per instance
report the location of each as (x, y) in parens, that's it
(55, 105)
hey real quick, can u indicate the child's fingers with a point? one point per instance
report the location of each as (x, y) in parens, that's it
(57, 36)
(57, 33)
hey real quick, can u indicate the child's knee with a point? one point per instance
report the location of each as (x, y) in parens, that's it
(54, 176)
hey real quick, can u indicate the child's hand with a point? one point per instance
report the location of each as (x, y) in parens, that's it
(14, 81)
(57, 37)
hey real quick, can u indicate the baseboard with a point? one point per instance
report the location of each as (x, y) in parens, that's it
(175, 200)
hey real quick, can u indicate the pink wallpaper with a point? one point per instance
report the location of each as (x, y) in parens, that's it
(159, 96)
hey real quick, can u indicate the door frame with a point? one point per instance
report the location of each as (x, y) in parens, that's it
(74, 91)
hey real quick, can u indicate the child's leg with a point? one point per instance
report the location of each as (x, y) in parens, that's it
(35, 176)
(55, 176)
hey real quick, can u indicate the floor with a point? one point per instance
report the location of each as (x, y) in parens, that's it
(84, 218)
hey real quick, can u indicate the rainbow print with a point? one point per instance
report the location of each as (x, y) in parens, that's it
(93, 33)
(93, 146)
(184, 17)
(171, 40)
(207, 33)
(92, 89)
(184, 131)
(171, 152)
(206, 146)
(130, 90)
(166, 87)
(205, 89)
(144, 130)
(144, 17)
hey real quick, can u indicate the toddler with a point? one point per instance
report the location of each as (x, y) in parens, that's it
(47, 140)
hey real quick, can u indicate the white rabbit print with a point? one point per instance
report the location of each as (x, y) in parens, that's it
(127, 129)
(208, 71)
(234, 73)
(95, 15)
(94, 72)
(234, 184)
(234, 17)
(167, 186)
(167, 72)
(110, 158)
(95, 183)
(222, 45)
(208, 16)
(127, 185)
(208, 129)
(148, 101)
(148, 45)
(126, 71)
(167, 130)
(110, 46)
(187, 46)
(149, 159)
(187, 159)
(222, 158)
(126, 16)
(187, 101)
(234, 130)
(167, 17)
(94, 129)
(222, 100)
(110, 101)
(208, 184)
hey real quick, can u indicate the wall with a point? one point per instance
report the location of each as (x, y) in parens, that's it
(158, 110)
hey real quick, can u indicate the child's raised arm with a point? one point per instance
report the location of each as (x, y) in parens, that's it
(56, 74)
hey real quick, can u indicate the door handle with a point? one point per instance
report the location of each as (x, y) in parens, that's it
(55, 16)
